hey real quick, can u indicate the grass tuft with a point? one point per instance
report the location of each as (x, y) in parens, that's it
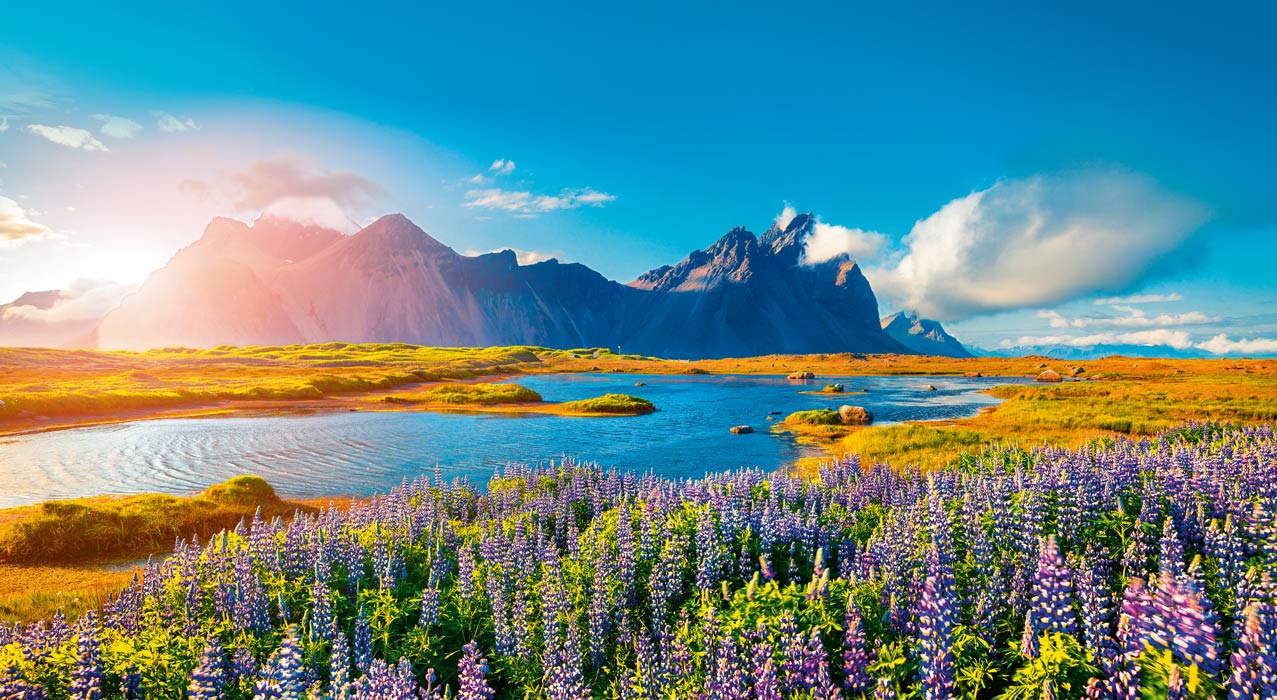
(617, 404)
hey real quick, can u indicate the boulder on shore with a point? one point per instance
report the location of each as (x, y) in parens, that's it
(741, 429)
(973, 375)
(802, 375)
(855, 415)
(1049, 376)
(1076, 372)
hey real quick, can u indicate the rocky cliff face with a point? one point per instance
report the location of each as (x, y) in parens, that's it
(923, 336)
(280, 282)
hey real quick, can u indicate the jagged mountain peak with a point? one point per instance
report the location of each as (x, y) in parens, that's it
(788, 242)
(922, 335)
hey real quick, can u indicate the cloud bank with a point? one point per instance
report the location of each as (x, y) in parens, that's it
(1036, 242)
(117, 127)
(16, 226)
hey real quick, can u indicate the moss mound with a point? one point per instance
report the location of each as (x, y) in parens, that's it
(820, 416)
(619, 404)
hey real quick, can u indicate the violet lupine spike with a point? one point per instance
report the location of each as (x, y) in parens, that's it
(86, 679)
(937, 618)
(1053, 592)
(1030, 647)
(363, 641)
(208, 679)
(884, 690)
(472, 672)
(855, 656)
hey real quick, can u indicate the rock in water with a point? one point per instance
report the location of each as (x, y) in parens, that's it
(1049, 376)
(855, 415)
(741, 429)
(802, 375)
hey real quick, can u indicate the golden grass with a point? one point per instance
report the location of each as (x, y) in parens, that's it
(35, 592)
(467, 395)
(81, 529)
(608, 404)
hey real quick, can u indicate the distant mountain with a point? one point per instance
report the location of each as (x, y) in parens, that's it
(923, 336)
(278, 282)
(1070, 352)
(21, 323)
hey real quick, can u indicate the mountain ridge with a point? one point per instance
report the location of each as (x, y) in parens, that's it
(277, 281)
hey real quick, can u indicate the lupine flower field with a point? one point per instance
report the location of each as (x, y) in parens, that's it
(1121, 570)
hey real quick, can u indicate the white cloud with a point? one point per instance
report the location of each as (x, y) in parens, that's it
(1223, 345)
(4, 124)
(785, 216)
(501, 166)
(69, 136)
(117, 127)
(522, 203)
(1161, 336)
(479, 179)
(313, 211)
(171, 124)
(1139, 299)
(82, 299)
(16, 226)
(1035, 242)
(269, 180)
(828, 241)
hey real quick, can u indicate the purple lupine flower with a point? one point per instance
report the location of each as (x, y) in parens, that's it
(1030, 646)
(1053, 593)
(208, 680)
(855, 658)
(86, 679)
(322, 622)
(766, 683)
(385, 682)
(1171, 549)
(243, 666)
(472, 674)
(937, 617)
(339, 668)
(283, 677)
(429, 616)
(884, 690)
(363, 641)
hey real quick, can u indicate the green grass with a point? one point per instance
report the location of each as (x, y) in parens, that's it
(820, 416)
(619, 404)
(134, 526)
(469, 395)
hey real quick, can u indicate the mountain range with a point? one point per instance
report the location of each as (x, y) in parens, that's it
(281, 282)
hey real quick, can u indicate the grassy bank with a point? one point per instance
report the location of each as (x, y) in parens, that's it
(131, 527)
(468, 395)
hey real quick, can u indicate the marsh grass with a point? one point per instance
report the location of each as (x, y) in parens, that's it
(35, 592)
(468, 395)
(99, 528)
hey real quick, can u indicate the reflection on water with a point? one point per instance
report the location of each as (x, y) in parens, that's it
(364, 453)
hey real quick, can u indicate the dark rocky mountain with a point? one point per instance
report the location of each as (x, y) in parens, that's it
(281, 282)
(751, 296)
(923, 336)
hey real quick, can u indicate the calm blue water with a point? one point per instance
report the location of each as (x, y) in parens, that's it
(365, 453)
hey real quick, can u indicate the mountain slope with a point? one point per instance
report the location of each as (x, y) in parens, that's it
(923, 336)
(280, 282)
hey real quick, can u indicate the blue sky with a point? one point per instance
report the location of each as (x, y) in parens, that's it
(638, 133)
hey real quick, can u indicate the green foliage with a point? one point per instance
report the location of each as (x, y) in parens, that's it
(820, 416)
(1063, 660)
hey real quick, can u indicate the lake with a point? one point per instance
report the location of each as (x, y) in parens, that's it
(348, 453)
